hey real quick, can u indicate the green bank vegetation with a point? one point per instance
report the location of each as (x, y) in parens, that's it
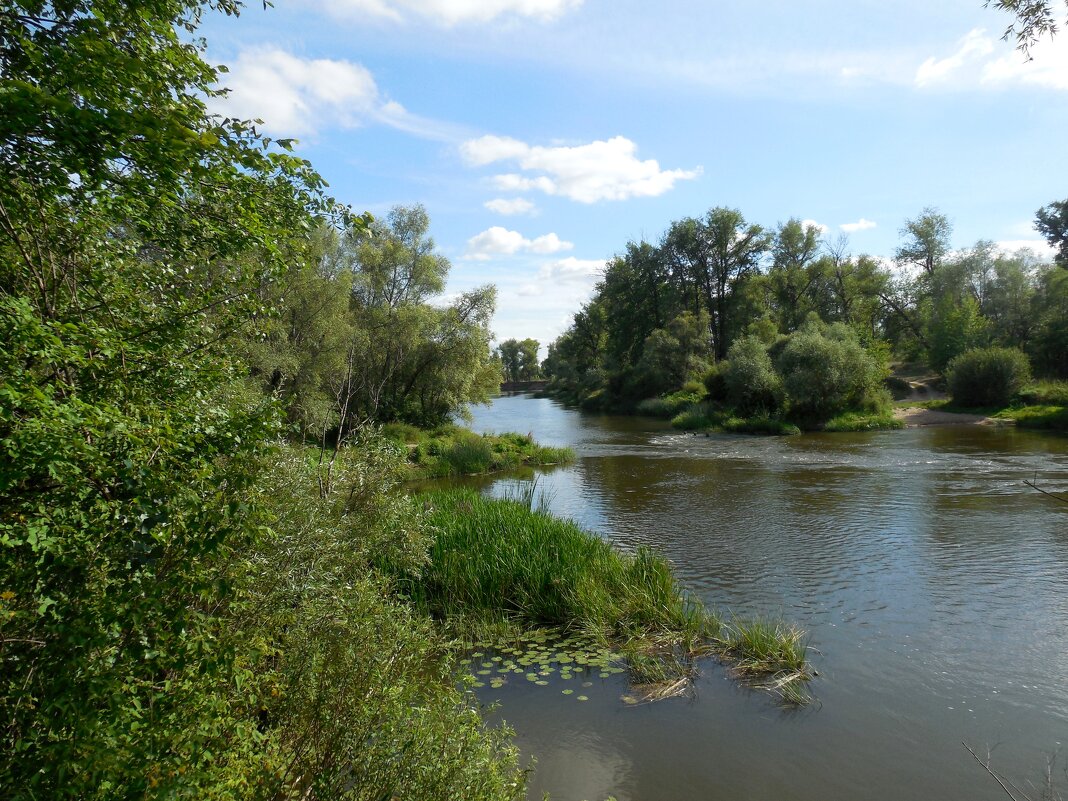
(994, 382)
(190, 607)
(498, 567)
(726, 324)
(449, 450)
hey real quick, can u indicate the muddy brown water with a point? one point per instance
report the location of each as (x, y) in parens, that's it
(932, 581)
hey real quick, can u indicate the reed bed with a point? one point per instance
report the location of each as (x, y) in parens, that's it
(503, 564)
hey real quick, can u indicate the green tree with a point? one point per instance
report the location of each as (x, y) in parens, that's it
(136, 234)
(1052, 223)
(926, 241)
(795, 271)
(715, 254)
(509, 352)
(529, 367)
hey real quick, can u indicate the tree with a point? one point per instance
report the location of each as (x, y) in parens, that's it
(795, 271)
(509, 351)
(137, 233)
(716, 253)
(1052, 222)
(926, 241)
(1034, 19)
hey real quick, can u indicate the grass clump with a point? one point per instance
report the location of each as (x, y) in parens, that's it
(453, 451)
(499, 564)
(499, 555)
(1044, 393)
(862, 421)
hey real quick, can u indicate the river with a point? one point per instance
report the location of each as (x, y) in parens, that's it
(932, 581)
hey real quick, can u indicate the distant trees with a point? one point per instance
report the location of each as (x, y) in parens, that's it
(519, 359)
(734, 280)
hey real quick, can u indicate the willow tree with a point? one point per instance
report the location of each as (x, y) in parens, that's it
(136, 231)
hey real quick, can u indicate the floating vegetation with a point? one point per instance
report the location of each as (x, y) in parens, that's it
(537, 595)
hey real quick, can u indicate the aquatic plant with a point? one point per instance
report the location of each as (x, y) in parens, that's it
(497, 566)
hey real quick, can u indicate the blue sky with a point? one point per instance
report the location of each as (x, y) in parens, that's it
(542, 135)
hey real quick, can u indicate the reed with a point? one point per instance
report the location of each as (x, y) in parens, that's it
(498, 564)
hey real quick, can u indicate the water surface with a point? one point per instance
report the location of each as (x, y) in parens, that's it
(934, 584)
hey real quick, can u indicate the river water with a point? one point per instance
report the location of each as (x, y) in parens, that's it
(933, 583)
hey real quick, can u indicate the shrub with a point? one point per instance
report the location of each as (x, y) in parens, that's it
(825, 374)
(987, 376)
(1051, 393)
(715, 381)
(752, 385)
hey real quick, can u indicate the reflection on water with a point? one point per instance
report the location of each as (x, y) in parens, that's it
(933, 583)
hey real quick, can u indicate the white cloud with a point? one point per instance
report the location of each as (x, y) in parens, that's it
(859, 225)
(510, 207)
(497, 241)
(980, 61)
(972, 47)
(576, 275)
(805, 224)
(572, 271)
(600, 170)
(297, 96)
(1041, 247)
(452, 12)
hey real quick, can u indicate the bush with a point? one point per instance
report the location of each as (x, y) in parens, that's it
(987, 376)
(753, 387)
(825, 374)
(1048, 393)
(715, 381)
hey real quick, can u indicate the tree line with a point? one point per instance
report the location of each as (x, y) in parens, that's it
(666, 313)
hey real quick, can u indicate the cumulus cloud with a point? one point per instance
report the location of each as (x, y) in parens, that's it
(510, 207)
(859, 225)
(980, 61)
(576, 275)
(452, 12)
(973, 46)
(805, 224)
(1041, 247)
(600, 170)
(498, 241)
(297, 96)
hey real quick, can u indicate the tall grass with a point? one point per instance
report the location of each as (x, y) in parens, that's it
(497, 560)
(499, 555)
(453, 451)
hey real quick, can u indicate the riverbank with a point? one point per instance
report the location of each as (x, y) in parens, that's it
(1037, 416)
(499, 569)
(450, 450)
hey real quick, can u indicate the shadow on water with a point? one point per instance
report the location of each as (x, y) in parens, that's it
(932, 581)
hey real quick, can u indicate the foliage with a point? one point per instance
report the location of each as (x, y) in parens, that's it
(1052, 223)
(136, 232)
(356, 338)
(987, 376)
(955, 328)
(449, 451)
(347, 678)
(671, 355)
(519, 359)
(1033, 19)
(825, 373)
(753, 386)
(1054, 393)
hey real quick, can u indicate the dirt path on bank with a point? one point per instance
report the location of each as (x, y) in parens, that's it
(917, 416)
